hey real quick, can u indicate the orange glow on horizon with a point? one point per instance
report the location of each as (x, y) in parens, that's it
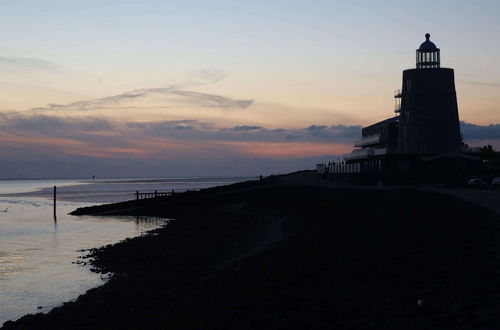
(288, 149)
(15, 140)
(142, 147)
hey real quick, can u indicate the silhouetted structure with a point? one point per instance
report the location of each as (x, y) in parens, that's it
(428, 117)
(424, 135)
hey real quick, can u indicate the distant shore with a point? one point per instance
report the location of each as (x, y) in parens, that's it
(116, 190)
(281, 253)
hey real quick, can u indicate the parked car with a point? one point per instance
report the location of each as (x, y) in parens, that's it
(477, 183)
(496, 182)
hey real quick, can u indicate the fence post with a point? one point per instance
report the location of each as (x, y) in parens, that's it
(156, 193)
(55, 214)
(137, 194)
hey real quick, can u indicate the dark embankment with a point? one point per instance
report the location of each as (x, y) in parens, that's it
(268, 256)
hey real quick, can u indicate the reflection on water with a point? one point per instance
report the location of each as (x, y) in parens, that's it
(38, 249)
(38, 254)
(149, 222)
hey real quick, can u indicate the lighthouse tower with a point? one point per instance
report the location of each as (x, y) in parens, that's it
(422, 141)
(428, 111)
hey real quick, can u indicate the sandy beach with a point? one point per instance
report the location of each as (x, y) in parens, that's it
(281, 254)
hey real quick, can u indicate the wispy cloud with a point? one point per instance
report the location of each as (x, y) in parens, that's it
(177, 145)
(479, 83)
(211, 100)
(31, 63)
(166, 97)
(210, 76)
(247, 128)
(480, 132)
(208, 132)
(51, 125)
(109, 139)
(91, 129)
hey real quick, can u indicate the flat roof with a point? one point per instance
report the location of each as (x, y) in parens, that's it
(383, 122)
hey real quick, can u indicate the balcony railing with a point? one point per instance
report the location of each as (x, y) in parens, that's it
(364, 153)
(379, 151)
(398, 95)
(368, 140)
(397, 107)
(359, 154)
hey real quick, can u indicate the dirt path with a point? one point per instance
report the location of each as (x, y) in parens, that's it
(487, 199)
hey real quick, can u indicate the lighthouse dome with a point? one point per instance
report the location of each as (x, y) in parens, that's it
(427, 45)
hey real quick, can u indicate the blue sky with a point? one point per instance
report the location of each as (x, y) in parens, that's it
(297, 64)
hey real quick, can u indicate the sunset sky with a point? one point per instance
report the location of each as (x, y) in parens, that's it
(172, 88)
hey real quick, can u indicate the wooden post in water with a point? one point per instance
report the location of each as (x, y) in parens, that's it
(55, 193)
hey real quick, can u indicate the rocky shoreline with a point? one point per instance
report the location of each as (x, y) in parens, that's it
(268, 255)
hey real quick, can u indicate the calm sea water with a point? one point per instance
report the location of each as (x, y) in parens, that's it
(37, 252)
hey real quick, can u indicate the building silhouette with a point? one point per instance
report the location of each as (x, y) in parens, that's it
(425, 131)
(428, 115)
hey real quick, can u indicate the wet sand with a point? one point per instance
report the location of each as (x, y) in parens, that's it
(275, 255)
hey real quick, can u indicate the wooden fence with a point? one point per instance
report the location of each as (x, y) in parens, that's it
(156, 193)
